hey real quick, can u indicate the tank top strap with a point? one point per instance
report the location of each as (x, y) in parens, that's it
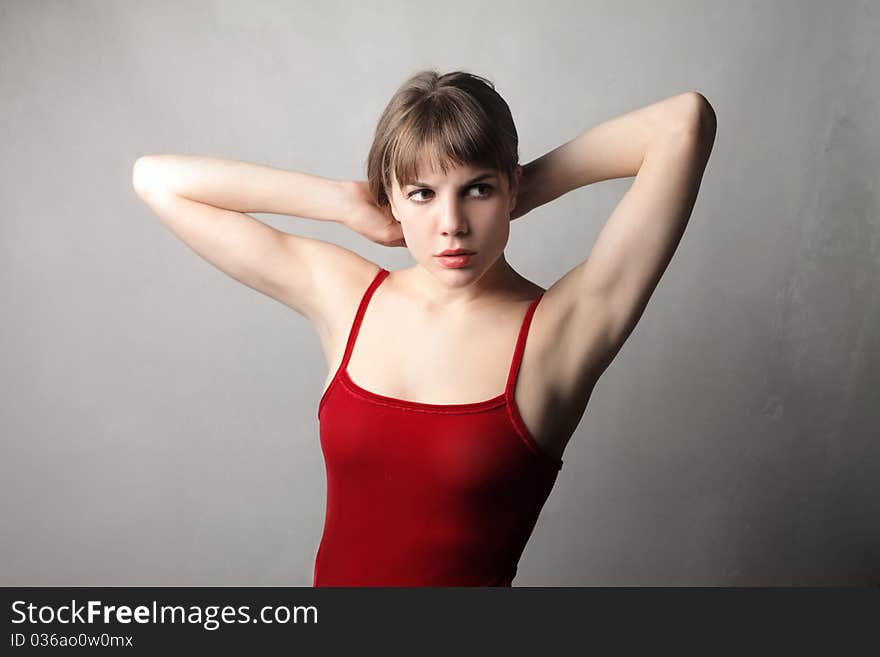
(520, 348)
(359, 316)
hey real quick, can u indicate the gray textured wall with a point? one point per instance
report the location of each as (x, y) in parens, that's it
(159, 419)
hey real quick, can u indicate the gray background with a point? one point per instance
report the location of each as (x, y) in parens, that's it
(159, 419)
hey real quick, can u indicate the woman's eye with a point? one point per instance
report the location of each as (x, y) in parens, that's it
(487, 188)
(412, 195)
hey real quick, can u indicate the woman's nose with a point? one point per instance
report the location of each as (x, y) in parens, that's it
(452, 219)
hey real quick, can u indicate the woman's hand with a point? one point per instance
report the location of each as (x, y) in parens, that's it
(368, 219)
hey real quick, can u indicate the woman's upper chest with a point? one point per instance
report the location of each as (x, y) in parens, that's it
(402, 352)
(434, 358)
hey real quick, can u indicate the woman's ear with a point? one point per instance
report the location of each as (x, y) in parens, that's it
(389, 194)
(514, 187)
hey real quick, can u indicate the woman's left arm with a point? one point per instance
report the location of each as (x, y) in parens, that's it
(615, 148)
(594, 307)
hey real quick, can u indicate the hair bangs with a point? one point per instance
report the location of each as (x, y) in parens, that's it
(439, 143)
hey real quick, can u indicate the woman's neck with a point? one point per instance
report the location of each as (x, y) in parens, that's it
(499, 282)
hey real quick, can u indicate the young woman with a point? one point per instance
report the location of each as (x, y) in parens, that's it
(453, 385)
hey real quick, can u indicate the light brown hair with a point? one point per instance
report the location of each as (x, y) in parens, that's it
(453, 119)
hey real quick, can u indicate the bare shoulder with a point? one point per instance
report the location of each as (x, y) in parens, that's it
(571, 342)
(339, 278)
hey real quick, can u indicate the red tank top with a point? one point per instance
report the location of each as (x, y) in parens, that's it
(426, 494)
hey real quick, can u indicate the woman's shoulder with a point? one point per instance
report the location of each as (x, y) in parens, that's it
(344, 290)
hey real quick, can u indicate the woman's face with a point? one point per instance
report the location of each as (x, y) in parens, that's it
(468, 208)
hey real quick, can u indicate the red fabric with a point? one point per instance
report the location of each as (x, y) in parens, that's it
(426, 494)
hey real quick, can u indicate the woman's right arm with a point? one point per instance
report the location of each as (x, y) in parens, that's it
(203, 201)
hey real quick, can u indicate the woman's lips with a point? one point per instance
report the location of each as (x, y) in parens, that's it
(455, 261)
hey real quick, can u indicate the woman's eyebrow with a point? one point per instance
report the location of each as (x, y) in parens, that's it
(482, 176)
